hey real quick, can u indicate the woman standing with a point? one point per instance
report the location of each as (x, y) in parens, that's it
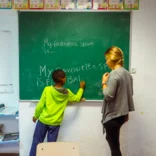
(118, 98)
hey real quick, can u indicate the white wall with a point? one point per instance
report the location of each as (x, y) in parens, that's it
(82, 122)
(8, 22)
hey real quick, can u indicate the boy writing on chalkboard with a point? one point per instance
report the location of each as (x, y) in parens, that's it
(50, 109)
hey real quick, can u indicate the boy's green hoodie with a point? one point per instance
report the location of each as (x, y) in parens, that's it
(50, 109)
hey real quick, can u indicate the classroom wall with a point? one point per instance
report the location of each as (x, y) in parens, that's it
(9, 71)
(9, 23)
(82, 121)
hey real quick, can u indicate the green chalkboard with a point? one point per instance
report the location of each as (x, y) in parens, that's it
(72, 41)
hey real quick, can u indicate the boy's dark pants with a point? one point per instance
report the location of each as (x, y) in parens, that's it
(113, 134)
(40, 133)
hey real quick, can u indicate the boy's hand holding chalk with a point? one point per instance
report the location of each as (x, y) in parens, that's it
(82, 84)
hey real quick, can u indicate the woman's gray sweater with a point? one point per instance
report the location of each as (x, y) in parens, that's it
(118, 96)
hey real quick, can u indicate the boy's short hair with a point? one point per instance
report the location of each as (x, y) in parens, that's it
(57, 75)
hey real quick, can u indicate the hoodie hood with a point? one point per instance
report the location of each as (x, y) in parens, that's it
(59, 94)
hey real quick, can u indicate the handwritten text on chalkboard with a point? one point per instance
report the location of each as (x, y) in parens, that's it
(49, 47)
(45, 72)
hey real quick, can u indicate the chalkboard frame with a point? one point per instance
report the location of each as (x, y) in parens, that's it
(27, 99)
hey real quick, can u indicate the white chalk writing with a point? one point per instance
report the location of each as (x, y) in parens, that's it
(44, 78)
(49, 46)
(46, 82)
(45, 71)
